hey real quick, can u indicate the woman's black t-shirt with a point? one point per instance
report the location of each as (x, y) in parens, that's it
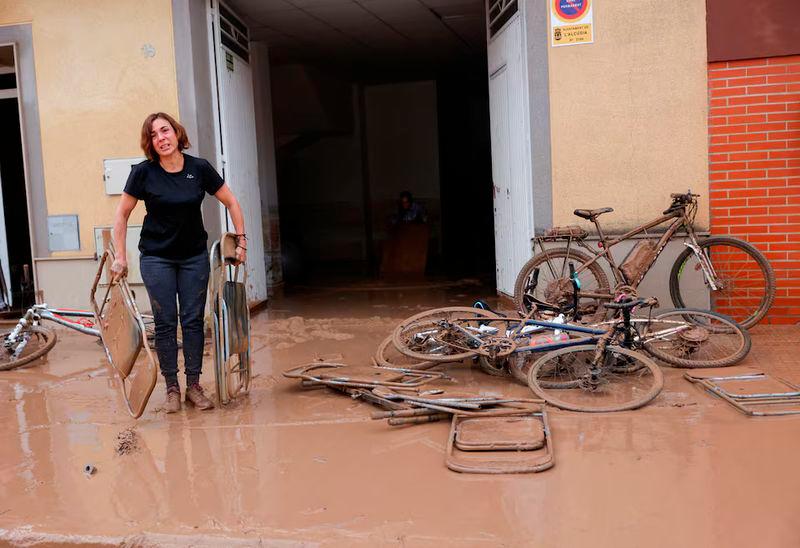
(173, 227)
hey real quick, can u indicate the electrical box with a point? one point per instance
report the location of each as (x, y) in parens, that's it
(116, 171)
(62, 233)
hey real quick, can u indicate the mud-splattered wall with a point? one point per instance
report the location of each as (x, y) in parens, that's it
(628, 112)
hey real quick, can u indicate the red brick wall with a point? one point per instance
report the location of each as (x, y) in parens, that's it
(754, 165)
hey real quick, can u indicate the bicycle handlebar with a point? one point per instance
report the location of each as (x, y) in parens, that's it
(684, 196)
(680, 201)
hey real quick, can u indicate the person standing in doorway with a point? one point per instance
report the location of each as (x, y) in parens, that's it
(174, 257)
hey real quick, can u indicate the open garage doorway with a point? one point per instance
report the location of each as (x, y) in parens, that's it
(373, 100)
(16, 273)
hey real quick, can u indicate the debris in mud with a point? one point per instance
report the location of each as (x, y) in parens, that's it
(749, 390)
(127, 442)
(89, 470)
(408, 400)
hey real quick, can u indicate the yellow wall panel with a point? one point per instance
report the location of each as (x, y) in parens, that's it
(629, 112)
(101, 67)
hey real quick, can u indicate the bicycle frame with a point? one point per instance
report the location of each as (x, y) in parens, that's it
(39, 312)
(677, 219)
(594, 334)
(517, 333)
(56, 315)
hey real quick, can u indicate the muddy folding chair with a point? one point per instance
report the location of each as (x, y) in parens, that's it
(231, 320)
(123, 334)
(516, 444)
(437, 404)
(749, 390)
(357, 376)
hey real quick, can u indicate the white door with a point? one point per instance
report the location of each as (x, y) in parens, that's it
(236, 144)
(501, 177)
(4, 252)
(511, 153)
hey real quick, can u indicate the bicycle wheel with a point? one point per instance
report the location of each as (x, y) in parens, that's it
(695, 338)
(496, 367)
(745, 277)
(36, 341)
(387, 356)
(554, 287)
(518, 366)
(625, 380)
(429, 336)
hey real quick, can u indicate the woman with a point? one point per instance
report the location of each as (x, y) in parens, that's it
(174, 258)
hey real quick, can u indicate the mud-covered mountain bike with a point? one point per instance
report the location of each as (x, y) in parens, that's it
(720, 273)
(683, 337)
(597, 369)
(512, 346)
(608, 375)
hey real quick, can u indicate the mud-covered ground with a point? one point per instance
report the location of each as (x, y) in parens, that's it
(285, 466)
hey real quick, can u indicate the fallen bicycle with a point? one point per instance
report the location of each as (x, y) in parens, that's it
(599, 367)
(28, 339)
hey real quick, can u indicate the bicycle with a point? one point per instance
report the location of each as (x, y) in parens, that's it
(739, 277)
(602, 377)
(616, 373)
(29, 339)
(682, 337)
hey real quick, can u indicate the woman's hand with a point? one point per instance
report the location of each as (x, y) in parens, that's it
(226, 198)
(241, 255)
(119, 269)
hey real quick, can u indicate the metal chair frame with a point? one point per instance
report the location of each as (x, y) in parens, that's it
(230, 322)
(749, 403)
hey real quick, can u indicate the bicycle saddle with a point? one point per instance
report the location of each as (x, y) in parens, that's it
(592, 213)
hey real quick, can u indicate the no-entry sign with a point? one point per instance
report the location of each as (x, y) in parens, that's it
(570, 10)
(571, 22)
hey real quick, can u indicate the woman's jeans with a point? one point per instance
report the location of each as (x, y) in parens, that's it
(186, 279)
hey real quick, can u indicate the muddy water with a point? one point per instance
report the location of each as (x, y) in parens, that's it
(295, 466)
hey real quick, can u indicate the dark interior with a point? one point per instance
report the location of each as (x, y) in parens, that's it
(343, 162)
(384, 98)
(12, 175)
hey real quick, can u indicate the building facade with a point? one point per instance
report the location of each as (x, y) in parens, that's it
(660, 98)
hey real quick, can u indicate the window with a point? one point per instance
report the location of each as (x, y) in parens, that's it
(500, 11)
(234, 33)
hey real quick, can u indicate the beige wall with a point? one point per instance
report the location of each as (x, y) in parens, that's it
(628, 112)
(95, 86)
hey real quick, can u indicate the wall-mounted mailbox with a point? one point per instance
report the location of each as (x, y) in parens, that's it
(63, 233)
(116, 171)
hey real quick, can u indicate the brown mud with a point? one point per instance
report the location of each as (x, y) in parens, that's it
(127, 442)
(288, 466)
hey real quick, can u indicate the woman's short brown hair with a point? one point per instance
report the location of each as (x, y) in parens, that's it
(147, 130)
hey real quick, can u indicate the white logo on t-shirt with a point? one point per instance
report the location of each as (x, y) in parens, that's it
(190, 176)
